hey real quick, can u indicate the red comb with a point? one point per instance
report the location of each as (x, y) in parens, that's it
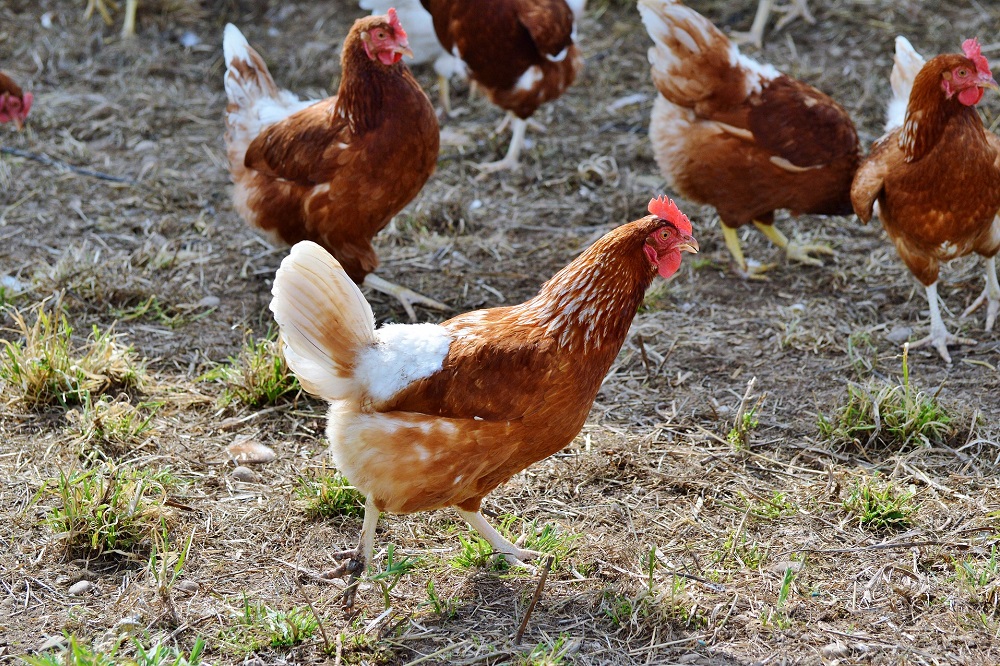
(666, 209)
(975, 54)
(397, 27)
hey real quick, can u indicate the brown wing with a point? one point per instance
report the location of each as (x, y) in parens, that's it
(7, 85)
(306, 148)
(870, 177)
(795, 121)
(549, 22)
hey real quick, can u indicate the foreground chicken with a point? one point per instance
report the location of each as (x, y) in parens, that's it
(521, 52)
(741, 136)
(934, 178)
(14, 102)
(333, 171)
(429, 416)
(423, 42)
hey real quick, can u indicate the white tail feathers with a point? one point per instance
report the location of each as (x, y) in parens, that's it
(906, 64)
(247, 79)
(324, 319)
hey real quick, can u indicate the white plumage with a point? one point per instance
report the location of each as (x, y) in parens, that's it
(906, 64)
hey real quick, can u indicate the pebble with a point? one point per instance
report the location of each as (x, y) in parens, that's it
(245, 450)
(244, 474)
(80, 587)
(834, 650)
(187, 586)
(209, 302)
(899, 334)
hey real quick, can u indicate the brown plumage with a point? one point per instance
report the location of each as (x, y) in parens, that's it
(429, 416)
(337, 170)
(520, 52)
(936, 179)
(740, 136)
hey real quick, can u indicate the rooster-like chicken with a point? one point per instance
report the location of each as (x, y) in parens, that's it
(521, 52)
(333, 171)
(741, 136)
(934, 178)
(14, 102)
(423, 42)
(428, 416)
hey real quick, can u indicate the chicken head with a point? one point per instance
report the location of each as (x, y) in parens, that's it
(663, 247)
(386, 40)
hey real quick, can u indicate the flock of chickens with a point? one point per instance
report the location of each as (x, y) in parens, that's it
(426, 416)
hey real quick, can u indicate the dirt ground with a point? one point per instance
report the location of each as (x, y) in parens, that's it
(652, 470)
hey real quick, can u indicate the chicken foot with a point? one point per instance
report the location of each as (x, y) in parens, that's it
(512, 159)
(749, 270)
(991, 294)
(939, 337)
(359, 558)
(515, 556)
(798, 9)
(793, 250)
(407, 297)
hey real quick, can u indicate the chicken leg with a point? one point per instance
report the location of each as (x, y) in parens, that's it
(515, 556)
(939, 337)
(750, 270)
(407, 297)
(359, 558)
(798, 9)
(794, 251)
(512, 159)
(991, 293)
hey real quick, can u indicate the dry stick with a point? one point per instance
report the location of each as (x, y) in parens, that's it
(534, 600)
(50, 161)
(322, 631)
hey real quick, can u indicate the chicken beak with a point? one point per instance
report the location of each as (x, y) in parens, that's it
(688, 244)
(991, 84)
(403, 49)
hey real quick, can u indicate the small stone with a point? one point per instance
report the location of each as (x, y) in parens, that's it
(209, 302)
(244, 474)
(187, 586)
(246, 450)
(899, 334)
(835, 650)
(80, 587)
(781, 567)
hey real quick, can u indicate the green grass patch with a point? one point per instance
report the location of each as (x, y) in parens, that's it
(257, 626)
(257, 376)
(112, 426)
(327, 494)
(75, 653)
(880, 505)
(46, 365)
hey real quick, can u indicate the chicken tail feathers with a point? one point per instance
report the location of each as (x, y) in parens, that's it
(325, 321)
(693, 61)
(906, 64)
(247, 78)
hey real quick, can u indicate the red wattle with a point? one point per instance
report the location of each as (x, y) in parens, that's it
(971, 96)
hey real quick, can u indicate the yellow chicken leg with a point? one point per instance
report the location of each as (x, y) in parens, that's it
(991, 294)
(359, 558)
(747, 270)
(794, 251)
(939, 337)
(515, 556)
(407, 297)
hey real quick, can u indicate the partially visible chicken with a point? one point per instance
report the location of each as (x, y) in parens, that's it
(428, 416)
(521, 52)
(797, 9)
(423, 42)
(14, 102)
(741, 136)
(128, 26)
(333, 171)
(934, 178)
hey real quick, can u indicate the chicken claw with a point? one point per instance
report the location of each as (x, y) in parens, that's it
(794, 250)
(516, 557)
(991, 294)
(407, 297)
(353, 568)
(939, 337)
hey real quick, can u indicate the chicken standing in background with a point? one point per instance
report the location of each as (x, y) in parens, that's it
(743, 137)
(521, 52)
(934, 178)
(428, 416)
(423, 42)
(333, 171)
(14, 102)
(128, 25)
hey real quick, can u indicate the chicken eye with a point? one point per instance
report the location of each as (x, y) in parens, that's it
(963, 72)
(380, 34)
(664, 235)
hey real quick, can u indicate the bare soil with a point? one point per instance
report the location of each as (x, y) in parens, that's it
(652, 469)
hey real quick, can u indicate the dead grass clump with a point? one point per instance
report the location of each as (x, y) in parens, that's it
(108, 508)
(111, 426)
(257, 376)
(46, 366)
(325, 495)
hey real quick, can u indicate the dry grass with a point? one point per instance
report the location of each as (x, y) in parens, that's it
(678, 545)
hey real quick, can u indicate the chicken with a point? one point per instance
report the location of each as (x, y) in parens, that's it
(934, 178)
(14, 102)
(741, 136)
(797, 9)
(128, 26)
(427, 416)
(521, 52)
(333, 171)
(423, 42)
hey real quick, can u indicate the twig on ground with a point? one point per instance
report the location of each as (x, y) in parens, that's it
(59, 164)
(534, 599)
